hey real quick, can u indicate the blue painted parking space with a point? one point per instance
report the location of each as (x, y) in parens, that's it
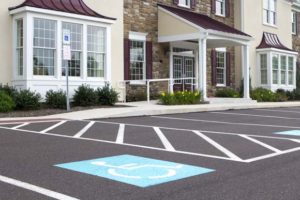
(291, 132)
(134, 170)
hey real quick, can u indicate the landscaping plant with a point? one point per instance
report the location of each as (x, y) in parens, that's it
(227, 93)
(180, 98)
(85, 96)
(6, 102)
(56, 99)
(107, 95)
(27, 100)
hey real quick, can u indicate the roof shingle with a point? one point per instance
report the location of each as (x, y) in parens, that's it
(271, 40)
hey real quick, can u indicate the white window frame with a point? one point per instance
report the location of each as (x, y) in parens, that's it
(221, 8)
(294, 22)
(266, 14)
(263, 69)
(223, 51)
(28, 14)
(280, 53)
(184, 3)
(140, 37)
(19, 48)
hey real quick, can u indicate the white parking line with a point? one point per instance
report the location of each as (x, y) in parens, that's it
(121, 132)
(19, 126)
(53, 127)
(164, 140)
(221, 122)
(36, 189)
(283, 111)
(218, 146)
(261, 143)
(251, 115)
(84, 130)
(298, 141)
(31, 122)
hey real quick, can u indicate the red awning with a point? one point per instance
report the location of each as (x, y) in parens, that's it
(68, 6)
(203, 21)
(271, 40)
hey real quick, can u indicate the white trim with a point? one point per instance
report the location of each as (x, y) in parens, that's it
(137, 36)
(277, 50)
(168, 146)
(59, 13)
(174, 38)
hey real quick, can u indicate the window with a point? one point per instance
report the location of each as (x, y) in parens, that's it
(220, 7)
(19, 60)
(221, 68)
(269, 12)
(137, 60)
(44, 47)
(184, 3)
(74, 65)
(291, 70)
(96, 51)
(283, 69)
(263, 69)
(294, 23)
(275, 68)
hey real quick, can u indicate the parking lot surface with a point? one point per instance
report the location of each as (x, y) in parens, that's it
(240, 154)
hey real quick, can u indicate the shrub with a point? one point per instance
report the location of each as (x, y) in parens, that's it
(293, 95)
(56, 99)
(6, 102)
(180, 98)
(281, 95)
(263, 95)
(9, 90)
(107, 95)
(85, 96)
(227, 93)
(27, 100)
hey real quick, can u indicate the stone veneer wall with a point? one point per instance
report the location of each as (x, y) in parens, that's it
(142, 16)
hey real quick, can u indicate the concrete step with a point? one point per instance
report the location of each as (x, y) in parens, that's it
(231, 101)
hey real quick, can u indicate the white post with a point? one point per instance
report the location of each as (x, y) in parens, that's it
(202, 68)
(171, 69)
(148, 91)
(246, 71)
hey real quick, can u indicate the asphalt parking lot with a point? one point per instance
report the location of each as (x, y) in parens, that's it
(227, 155)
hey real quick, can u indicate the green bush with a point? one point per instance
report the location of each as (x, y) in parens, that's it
(27, 100)
(85, 96)
(107, 95)
(9, 90)
(227, 93)
(180, 98)
(263, 95)
(293, 95)
(56, 99)
(6, 102)
(281, 95)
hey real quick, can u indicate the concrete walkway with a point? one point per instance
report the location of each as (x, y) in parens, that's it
(145, 109)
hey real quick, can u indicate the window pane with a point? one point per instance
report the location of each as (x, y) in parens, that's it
(221, 66)
(283, 69)
(44, 37)
(291, 70)
(220, 7)
(19, 59)
(275, 69)
(96, 64)
(137, 60)
(264, 69)
(272, 5)
(74, 64)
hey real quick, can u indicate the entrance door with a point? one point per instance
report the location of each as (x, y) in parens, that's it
(183, 67)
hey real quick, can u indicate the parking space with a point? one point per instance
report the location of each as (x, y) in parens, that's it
(226, 143)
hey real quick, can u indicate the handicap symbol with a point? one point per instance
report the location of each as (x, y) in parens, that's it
(160, 171)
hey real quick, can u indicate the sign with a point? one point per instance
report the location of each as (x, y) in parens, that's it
(66, 37)
(66, 52)
(134, 170)
(291, 132)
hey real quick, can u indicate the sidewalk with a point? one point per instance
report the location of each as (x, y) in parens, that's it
(145, 109)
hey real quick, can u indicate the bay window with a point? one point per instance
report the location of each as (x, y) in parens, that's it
(291, 70)
(283, 65)
(275, 68)
(264, 69)
(19, 49)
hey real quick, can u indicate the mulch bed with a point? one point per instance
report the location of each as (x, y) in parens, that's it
(48, 111)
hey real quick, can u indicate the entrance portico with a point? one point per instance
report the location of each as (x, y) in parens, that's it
(200, 32)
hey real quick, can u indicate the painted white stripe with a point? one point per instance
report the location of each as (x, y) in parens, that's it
(230, 123)
(218, 146)
(261, 143)
(164, 140)
(283, 111)
(36, 189)
(121, 132)
(53, 127)
(130, 145)
(20, 126)
(84, 130)
(31, 122)
(272, 155)
(251, 115)
(298, 141)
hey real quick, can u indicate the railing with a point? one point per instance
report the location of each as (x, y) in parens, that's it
(171, 83)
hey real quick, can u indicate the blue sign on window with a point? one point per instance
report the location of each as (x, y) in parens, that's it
(134, 170)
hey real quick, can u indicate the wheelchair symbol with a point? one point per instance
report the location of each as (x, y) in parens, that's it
(138, 170)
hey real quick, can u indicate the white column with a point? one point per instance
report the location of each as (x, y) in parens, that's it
(171, 69)
(108, 68)
(246, 70)
(202, 68)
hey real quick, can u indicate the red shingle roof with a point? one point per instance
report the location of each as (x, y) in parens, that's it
(271, 40)
(69, 6)
(203, 21)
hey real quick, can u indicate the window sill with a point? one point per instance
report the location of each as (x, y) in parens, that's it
(137, 82)
(184, 6)
(270, 25)
(221, 85)
(220, 15)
